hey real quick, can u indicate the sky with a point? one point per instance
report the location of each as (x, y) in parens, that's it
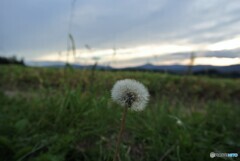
(122, 33)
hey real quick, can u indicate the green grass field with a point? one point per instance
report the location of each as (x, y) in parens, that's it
(68, 115)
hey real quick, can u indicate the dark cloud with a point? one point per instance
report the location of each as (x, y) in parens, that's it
(185, 55)
(223, 54)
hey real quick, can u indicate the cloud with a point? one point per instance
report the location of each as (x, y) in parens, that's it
(32, 26)
(36, 28)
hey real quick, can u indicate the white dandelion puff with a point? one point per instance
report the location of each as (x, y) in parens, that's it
(130, 93)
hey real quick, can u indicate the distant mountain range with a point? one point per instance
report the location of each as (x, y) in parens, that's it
(198, 69)
(184, 68)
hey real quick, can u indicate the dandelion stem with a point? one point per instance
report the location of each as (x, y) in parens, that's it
(120, 134)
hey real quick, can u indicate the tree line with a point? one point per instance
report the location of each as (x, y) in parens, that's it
(11, 60)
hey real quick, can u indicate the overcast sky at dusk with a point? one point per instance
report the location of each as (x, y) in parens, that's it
(122, 33)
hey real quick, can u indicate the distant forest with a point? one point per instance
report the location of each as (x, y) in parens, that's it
(11, 60)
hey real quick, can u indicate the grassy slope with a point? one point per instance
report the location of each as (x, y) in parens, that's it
(67, 115)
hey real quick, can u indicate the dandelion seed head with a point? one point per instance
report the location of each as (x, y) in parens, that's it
(130, 93)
